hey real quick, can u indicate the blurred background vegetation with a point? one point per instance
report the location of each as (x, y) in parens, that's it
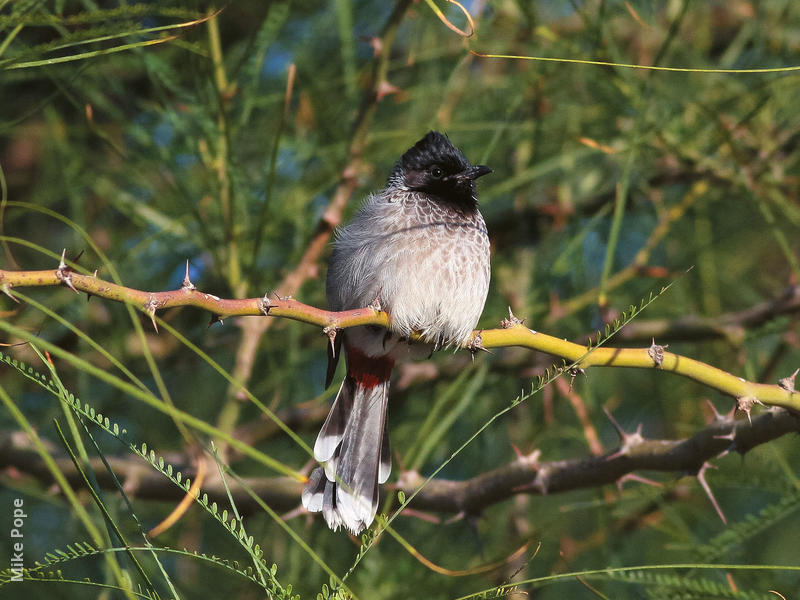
(236, 143)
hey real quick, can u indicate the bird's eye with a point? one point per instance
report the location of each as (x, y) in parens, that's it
(436, 172)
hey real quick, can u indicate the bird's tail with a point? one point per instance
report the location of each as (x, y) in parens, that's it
(353, 444)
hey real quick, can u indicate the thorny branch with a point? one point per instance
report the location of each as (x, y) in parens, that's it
(526, 474)
(511, 333)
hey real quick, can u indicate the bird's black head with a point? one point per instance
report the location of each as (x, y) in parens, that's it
(436, 167)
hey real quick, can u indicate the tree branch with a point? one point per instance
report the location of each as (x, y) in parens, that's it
(524, 475)
(511, 333)
(527, 474)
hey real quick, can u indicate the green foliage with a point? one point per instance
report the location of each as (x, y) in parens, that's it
(733, 539)
(672, 587)
(134, 135)
(235, 526)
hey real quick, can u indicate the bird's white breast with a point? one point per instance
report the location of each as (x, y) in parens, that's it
(426, 263)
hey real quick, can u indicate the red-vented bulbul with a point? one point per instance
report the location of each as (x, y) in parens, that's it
(420, 248)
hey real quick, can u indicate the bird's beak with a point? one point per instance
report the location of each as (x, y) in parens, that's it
(478, 171)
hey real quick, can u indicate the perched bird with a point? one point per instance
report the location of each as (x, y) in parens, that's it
(418, 249)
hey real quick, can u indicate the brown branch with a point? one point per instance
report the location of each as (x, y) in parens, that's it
(524, 475)
(529, 475)
(512, 332)
(579, 406)
(142, 481)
